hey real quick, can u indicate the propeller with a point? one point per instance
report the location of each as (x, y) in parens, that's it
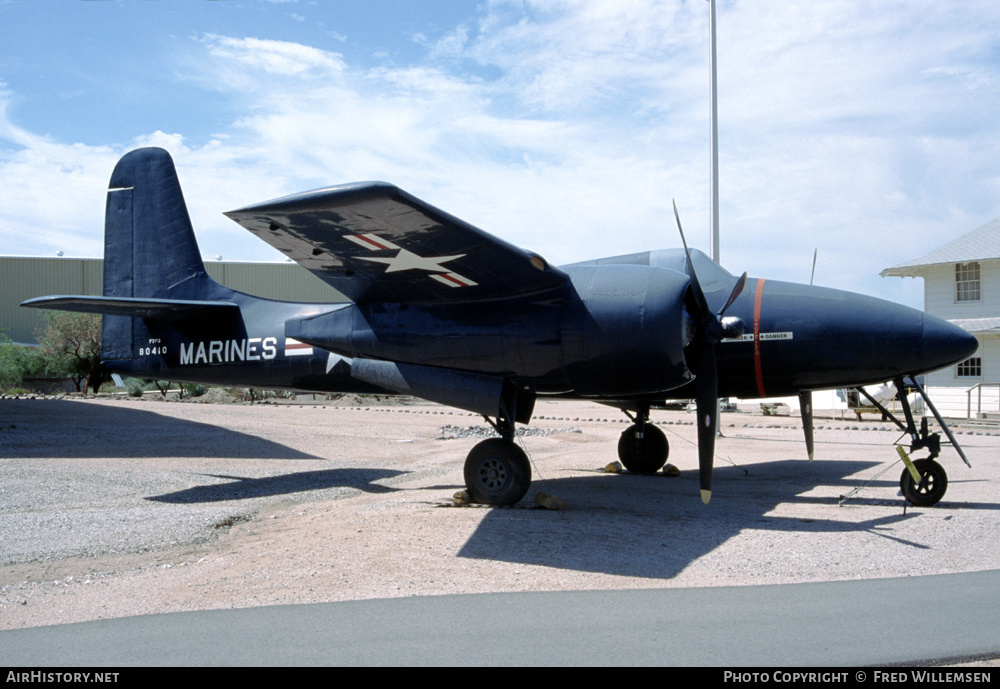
(710, 328)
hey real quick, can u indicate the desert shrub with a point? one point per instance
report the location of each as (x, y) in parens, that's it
(135, 386)
(18, 362)
(193, 389)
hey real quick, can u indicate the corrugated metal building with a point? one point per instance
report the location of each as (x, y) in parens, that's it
(26, 277)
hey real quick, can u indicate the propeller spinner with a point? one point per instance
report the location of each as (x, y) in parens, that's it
(711, 328)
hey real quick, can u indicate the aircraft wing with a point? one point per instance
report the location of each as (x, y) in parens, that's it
(374, 242)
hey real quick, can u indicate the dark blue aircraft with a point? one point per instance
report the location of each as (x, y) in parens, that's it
(444, 311)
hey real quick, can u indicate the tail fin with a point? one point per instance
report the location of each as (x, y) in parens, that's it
(150, 251)
(149, 245)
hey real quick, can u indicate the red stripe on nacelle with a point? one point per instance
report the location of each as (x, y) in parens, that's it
(756, 338)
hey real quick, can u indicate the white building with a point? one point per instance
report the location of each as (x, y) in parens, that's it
(962, 285)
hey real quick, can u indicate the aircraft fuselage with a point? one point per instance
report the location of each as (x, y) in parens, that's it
(620, 333)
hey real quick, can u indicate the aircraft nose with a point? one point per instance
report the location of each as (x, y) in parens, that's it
(945, 343)
(832, 338)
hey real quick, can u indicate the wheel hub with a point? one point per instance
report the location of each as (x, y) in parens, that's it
(493, 473)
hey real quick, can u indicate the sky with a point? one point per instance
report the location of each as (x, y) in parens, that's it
(866, 132)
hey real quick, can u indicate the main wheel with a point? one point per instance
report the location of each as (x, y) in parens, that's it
(932, 486)
(645, 455)
(497, 472)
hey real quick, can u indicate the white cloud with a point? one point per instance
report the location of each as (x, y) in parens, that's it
(269, 57)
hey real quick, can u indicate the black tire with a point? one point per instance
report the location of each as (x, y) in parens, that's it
(497, 472)
(645, 456)
(932, 486)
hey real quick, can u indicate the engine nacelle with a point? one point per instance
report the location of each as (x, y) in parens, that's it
(626, 330)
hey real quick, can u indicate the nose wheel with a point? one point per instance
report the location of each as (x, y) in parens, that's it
(932, 486)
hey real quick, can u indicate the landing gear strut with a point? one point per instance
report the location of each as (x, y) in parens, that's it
(643, 447)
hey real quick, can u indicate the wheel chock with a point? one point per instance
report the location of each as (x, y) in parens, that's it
(613, 468)
(671, 470)
(549, 502)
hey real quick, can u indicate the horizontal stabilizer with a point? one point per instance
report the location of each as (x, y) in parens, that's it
(160, 309)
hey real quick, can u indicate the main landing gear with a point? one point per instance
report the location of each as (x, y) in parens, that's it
(497, 472)
(643, 447)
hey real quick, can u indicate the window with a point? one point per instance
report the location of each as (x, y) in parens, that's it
(967, 286)
(970, 368)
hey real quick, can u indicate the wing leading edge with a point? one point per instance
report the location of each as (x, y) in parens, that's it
(374, 242)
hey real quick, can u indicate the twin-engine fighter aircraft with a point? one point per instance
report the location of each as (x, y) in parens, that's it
(444, 311)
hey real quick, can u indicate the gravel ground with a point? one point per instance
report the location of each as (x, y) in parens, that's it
(116, 507)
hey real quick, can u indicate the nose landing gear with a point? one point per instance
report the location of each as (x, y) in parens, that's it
(933, 481)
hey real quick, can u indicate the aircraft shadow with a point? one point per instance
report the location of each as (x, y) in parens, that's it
(242, 488)
(654, 527)
(33, 428)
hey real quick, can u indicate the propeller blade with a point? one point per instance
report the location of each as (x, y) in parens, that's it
(707, 405)
(737, 291)
(699, 295)
(806, 407)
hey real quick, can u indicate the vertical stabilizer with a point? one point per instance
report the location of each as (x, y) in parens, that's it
(149, 245)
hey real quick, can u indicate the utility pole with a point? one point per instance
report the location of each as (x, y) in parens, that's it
(715, 142)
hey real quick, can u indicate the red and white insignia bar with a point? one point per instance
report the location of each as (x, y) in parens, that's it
(453, 280)
(372, 242)
(296, 348)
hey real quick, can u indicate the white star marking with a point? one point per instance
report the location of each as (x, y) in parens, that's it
(335, 359)
(407, 260)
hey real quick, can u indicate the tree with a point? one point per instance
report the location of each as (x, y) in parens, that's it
(71, 342)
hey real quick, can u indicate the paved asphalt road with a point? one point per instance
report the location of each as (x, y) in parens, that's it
(914, 620)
